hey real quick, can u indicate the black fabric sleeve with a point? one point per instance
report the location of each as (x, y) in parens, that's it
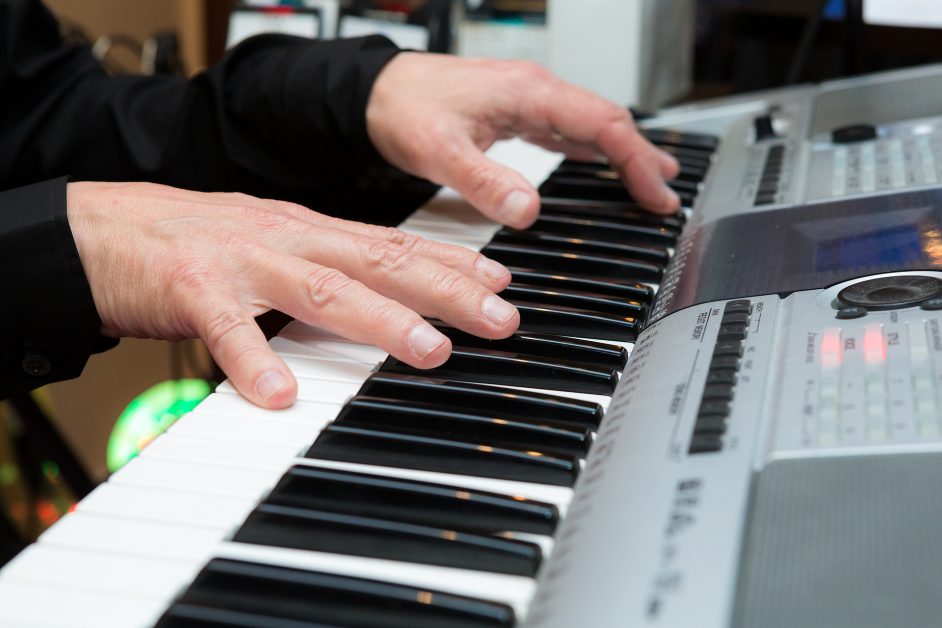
(48, 321)
(279, 117)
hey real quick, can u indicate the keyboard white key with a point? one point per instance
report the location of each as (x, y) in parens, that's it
(127, 537)
(167, 506)
(35, 606)
(198, 477)
(255, 430)
(83, 570)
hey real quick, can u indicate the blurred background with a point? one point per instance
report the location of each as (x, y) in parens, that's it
(58, 442)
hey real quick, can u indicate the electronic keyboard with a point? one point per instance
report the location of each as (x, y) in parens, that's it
(725, 417)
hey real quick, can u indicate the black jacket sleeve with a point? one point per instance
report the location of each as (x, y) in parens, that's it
(279, 117)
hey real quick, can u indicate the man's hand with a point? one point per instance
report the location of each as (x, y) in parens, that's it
(168, 263)
(433, 115)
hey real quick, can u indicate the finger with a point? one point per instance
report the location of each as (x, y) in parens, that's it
(295, 234)
(418, 282)
(325, 297)
(239, 347)
(670, 167)
(493, 275)
(583, 117)
(498, 192)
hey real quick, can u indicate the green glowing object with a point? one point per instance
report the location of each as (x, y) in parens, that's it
(150, 414)
(51, 470)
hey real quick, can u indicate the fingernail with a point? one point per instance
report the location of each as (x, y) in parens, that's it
(497, 310)
(423, 339)
(491, 269)
(514, 207)
(269, 383)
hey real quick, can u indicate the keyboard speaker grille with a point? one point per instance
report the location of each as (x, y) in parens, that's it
(851, 542)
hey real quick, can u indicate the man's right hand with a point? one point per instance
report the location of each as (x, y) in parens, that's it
(171, 264)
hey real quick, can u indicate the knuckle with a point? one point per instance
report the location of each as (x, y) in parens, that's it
(324, 284)
(292, 209)
(189, 275)
(450, 288)
(526, 70)
(264, 217)
(386, 255)
(483, 179)
(222, 326)
(400, 238)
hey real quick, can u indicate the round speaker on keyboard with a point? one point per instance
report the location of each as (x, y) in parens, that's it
(890, 293)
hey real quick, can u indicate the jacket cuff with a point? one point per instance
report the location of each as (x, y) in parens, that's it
(49, 325)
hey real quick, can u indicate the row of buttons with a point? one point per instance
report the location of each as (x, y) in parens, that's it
(771, 174)
(710, 426)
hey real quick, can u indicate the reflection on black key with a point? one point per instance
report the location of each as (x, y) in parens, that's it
(545, 346)
(590, 301)
(397, 499)
(570, 244)
(513, 369)
(537, 406)
(689, 156)
(669, 137)
(627, 290)
(607, 190)
(626, 213)
(581, 187)
(236, 593)
(604, 230)
(425, 419)
(376, 447)
(319, 531)
(559, 319)
(597, 264)
(691, 170)
(684, 186)
(592, 170)
(693, 163)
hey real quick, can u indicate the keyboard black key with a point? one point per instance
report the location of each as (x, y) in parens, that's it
(596, 265)
(684, 139)
(537, 406)
(589, 170)
(693, 170)
(590, 301)
(468, 424)
(585, 188)
(513, 369)
(627, 290)
(559, 319)
(682, 186)
(545, 346)
(319, 531)
(574, 245)
(236, 593)
(439, 505)
(628, 214)
(376, 447)
(604, 230)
